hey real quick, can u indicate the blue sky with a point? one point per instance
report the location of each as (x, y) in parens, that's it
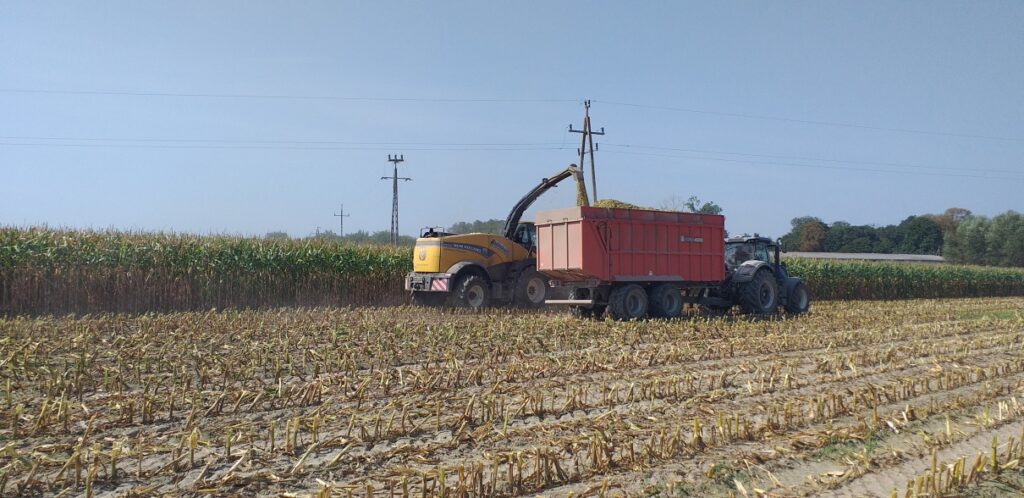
(228, 158)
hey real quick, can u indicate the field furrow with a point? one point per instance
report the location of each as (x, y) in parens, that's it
(849, 399)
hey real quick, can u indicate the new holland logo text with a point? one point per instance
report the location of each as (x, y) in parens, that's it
(497, 245)
(483, 251)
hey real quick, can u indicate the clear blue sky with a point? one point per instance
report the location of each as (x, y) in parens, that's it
(244, 165)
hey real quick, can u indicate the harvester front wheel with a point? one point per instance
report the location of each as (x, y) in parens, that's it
(471, 291)
(628, 302)
(760, 296)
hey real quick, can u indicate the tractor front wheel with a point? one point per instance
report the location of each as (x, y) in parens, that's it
(798, 301)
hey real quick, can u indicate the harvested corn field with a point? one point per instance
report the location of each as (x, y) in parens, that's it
(852, 399)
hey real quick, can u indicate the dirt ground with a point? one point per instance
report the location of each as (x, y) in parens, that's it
(852, 399)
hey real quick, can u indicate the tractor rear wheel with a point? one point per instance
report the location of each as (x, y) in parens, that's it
(628, 302)
(798, 301)
(665, 301)
(760, 296)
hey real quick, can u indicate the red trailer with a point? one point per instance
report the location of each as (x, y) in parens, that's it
(637, 262)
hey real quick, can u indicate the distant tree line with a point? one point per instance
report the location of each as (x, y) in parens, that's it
(361, 237)
(488, 226)
(996, 241)
(957, 234)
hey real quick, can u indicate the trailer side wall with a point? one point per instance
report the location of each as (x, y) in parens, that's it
(622, 245)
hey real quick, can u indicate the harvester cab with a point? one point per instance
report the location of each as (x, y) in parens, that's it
(758, 279)
(526, 236)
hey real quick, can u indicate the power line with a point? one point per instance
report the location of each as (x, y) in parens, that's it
(452, 145)
(810, 121)
(502, 100)
(275, 147)
(512, 149)
(283, 97)
(231, 141)
(808, 158)
(817, 166)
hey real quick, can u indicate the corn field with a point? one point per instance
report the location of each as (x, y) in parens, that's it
(53, 271)
(910, 398)
(830, 280)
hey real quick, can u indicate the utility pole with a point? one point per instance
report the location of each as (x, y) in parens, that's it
(394, 201)
(586, 143)
(341, 221)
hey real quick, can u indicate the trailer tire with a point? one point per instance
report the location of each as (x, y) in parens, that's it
(665, 301)
(628, 302)
(471, 291)
(760, 296)
(798, 301)
(531, 289)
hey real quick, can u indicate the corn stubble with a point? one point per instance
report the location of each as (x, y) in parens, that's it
(412, 402)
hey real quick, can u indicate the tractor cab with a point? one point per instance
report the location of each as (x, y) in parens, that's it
(759, 280)
(739, 250)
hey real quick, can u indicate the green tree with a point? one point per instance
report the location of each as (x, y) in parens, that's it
(694, 205)
(807, 234)
(277, 236)
(1005, 240)
(919, 235)
(889, 239)
(950, 219)
(844, 237)
(969, 244)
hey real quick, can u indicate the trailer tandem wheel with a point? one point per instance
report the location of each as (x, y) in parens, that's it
(665, 301)
(628, 302)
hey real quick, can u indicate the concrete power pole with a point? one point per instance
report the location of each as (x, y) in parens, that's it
(588, 138)
(341, 221)
(394, 200)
